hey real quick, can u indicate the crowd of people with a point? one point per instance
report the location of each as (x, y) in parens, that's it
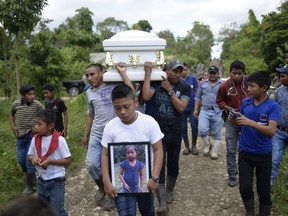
(256, 132)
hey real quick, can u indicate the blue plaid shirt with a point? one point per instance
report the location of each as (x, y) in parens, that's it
(281, 97)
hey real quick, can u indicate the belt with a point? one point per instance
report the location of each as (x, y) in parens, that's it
(59, 179)
(208, 107)
(282, 128)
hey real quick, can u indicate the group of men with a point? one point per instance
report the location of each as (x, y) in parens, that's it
(170, 102)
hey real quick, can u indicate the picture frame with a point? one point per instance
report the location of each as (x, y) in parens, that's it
(130, 176)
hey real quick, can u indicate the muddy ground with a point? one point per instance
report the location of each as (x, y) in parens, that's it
(201, 189)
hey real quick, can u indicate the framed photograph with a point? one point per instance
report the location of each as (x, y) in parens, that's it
(130, 166)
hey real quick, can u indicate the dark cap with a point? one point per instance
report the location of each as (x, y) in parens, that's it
(283, 69)
(213, 69)
(175, 64)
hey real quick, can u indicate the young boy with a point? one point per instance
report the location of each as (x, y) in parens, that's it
(22, 120)
(131, 126)
(58, 106)
(50, 154)
(280, 139)
(258, 119)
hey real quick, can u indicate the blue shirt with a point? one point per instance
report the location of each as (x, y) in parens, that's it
(191, 80)
(251, 140)
(207, 94)
(281, 97)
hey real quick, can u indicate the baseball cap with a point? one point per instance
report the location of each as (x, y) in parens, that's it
(283, 69)
(213, 69)
(175, 64)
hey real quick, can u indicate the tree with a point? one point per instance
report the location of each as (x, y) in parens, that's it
(274, 37)
(142, 25)
(110, 26)
(84, 19)
(20, 16)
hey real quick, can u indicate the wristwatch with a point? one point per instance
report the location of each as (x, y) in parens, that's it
(170, 91)
(155, 178)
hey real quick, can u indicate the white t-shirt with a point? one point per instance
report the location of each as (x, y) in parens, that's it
(144, 129)
(62, 151)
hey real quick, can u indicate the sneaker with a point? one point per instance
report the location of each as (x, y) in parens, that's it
(232, 182)
(109, 205)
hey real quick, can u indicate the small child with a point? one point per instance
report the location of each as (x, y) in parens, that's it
(58, 106)
(131, 170)
(131, 126)
(50, 154)
(258, 118)
(22, 121)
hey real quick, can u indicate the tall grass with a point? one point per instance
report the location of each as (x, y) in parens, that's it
(12, 180)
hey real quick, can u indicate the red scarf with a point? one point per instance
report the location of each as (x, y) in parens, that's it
(52, 147)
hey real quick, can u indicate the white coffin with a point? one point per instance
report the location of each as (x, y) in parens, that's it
(134, 47)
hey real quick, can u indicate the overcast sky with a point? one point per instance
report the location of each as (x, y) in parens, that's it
(175, 15)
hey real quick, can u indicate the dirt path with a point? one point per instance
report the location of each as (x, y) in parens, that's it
(201, 189)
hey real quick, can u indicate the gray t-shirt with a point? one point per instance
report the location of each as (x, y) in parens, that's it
(100, 107)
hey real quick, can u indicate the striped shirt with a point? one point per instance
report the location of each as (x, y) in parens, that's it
(25, 115)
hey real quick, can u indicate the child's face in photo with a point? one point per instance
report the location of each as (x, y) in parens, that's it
(29, 97)
(131, 154)
(284, 78)
(48, 94)
(125, 109)
(255, 91)
(42, 128)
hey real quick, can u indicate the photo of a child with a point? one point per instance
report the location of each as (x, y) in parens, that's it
(131, 172)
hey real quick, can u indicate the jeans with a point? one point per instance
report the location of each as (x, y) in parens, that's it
(263, 164)
(193, 123)
(126, 205)
(22, 147)
(209, 121)
(53, 192)
(171, 146)
(279, 144)
(232, 140)
(93, 157)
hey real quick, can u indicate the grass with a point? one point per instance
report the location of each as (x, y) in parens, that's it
(12, 180)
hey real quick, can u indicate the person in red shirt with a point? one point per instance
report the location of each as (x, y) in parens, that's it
(229, 97)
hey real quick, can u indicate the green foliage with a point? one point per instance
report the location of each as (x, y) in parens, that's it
(110, 26)
(142, 25)
(274, 36)
(12, 179)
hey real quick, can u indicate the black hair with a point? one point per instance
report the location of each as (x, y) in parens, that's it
(29, 206)
(95, 65)
(47, 116)
(186, 65)
(237, 65)
(262, 78)
(26, 88)
(50, 87)
(122, 91)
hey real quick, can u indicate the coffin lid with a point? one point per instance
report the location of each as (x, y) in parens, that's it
(134, 38)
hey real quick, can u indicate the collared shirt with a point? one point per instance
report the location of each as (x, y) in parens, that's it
(207, 94)
(281, 97)
(232, 94)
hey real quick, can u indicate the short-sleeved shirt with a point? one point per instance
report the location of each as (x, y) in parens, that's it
(25, 115)
(192, 81)
(132, 175)
(58, 107)
(163, 110)
(100, 107)
(251, 140)
(61, 152)
(207, 95)
(281, 97)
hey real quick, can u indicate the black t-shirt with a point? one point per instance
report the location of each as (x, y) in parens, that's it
(163, 110)
(58, 106)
